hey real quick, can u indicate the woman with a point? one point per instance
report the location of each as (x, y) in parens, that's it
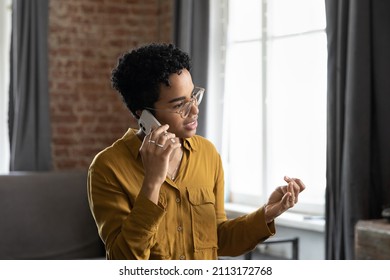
(161, 195)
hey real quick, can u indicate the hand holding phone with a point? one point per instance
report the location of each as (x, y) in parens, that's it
(147, 121)
(157, 151)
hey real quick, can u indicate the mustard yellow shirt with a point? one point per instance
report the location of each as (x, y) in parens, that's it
(189, 221)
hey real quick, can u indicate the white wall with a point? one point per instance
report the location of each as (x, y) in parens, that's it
(310, 231)
(311, 243)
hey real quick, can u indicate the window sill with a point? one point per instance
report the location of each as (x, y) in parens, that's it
(287, 219)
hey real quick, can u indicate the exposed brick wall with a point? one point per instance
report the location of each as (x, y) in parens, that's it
(85, 39)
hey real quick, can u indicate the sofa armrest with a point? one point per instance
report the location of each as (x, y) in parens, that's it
(45, 215)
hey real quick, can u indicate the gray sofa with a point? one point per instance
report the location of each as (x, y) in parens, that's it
(45, 215)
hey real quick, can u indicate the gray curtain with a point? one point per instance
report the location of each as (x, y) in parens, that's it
(29, 124)
(358, 141)
(191, 31)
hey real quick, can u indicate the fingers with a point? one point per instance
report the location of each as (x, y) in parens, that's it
(159, 136)
(160, 141)
(301, 186)
(294, 187)
(288, 200)
(293, 190)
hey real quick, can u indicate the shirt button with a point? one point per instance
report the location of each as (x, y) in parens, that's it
(182, 257)
(177, 199)
(179, 228)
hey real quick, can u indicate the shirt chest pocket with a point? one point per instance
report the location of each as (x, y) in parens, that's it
(203, 218)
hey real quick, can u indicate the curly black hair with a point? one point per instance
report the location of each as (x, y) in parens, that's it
(140, 72)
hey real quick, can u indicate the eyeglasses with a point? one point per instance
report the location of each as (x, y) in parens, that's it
(184, 108)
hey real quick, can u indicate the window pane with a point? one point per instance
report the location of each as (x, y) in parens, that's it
(295, 91)
(243, 118)
(296, 110)
(291, 17)
(244, 20)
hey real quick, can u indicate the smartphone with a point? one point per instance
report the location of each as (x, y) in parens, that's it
(147, 121)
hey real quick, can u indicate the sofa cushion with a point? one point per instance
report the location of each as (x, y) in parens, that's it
(45, 215)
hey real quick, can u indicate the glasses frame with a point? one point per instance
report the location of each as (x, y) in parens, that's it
(185, 109)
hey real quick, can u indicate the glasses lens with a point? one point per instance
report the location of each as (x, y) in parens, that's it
(187, 108)
(195, 100)
(198, 95)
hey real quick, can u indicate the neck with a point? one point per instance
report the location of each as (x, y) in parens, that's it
(174, 163)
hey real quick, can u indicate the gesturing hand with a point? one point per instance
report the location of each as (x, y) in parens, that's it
(283, 198)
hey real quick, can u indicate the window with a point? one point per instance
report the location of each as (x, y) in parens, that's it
(274, 98)
(5, 36)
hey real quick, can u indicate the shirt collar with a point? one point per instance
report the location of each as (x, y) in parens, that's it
(189, 144)
(132, 141)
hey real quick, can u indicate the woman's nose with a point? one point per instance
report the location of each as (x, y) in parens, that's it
(194, 109)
